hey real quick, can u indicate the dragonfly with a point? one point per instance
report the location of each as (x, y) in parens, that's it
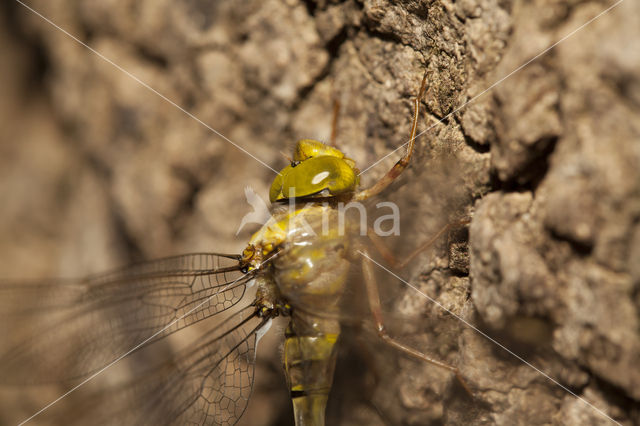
(299, 265)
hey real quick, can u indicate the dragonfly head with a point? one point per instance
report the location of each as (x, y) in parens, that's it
(316, 171)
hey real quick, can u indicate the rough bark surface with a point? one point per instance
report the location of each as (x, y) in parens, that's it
(97, 170)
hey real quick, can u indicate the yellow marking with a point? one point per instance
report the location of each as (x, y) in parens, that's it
(309, 348)
(275, 231)
(331, 337)
(307, 148)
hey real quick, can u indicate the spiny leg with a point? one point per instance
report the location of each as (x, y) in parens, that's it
(394, 262)
(402, 163)
(376, 310)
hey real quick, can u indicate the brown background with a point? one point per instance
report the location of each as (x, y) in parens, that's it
(97, 171)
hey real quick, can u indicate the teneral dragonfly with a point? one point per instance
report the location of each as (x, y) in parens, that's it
(299, 262)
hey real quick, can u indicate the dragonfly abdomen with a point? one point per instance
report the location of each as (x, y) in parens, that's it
(311, 269)
(309, 362)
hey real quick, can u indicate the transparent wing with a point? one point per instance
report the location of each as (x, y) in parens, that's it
(65, 330)
(207, 383)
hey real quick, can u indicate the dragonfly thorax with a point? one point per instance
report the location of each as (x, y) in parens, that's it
(305, 250)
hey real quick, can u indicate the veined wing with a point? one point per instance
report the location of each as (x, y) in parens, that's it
(64, 330)
(207, 383)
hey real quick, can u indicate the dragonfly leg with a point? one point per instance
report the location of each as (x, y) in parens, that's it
(396, 263)
(403, 162)
(376, 310)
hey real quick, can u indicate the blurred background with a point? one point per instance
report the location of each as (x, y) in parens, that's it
(97, 171)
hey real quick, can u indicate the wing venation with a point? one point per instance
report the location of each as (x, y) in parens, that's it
(66, 329)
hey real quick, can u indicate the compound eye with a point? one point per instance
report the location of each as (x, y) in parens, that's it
(309, 148)
(314, 177)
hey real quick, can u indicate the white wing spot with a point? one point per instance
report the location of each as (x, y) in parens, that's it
(319, 177)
